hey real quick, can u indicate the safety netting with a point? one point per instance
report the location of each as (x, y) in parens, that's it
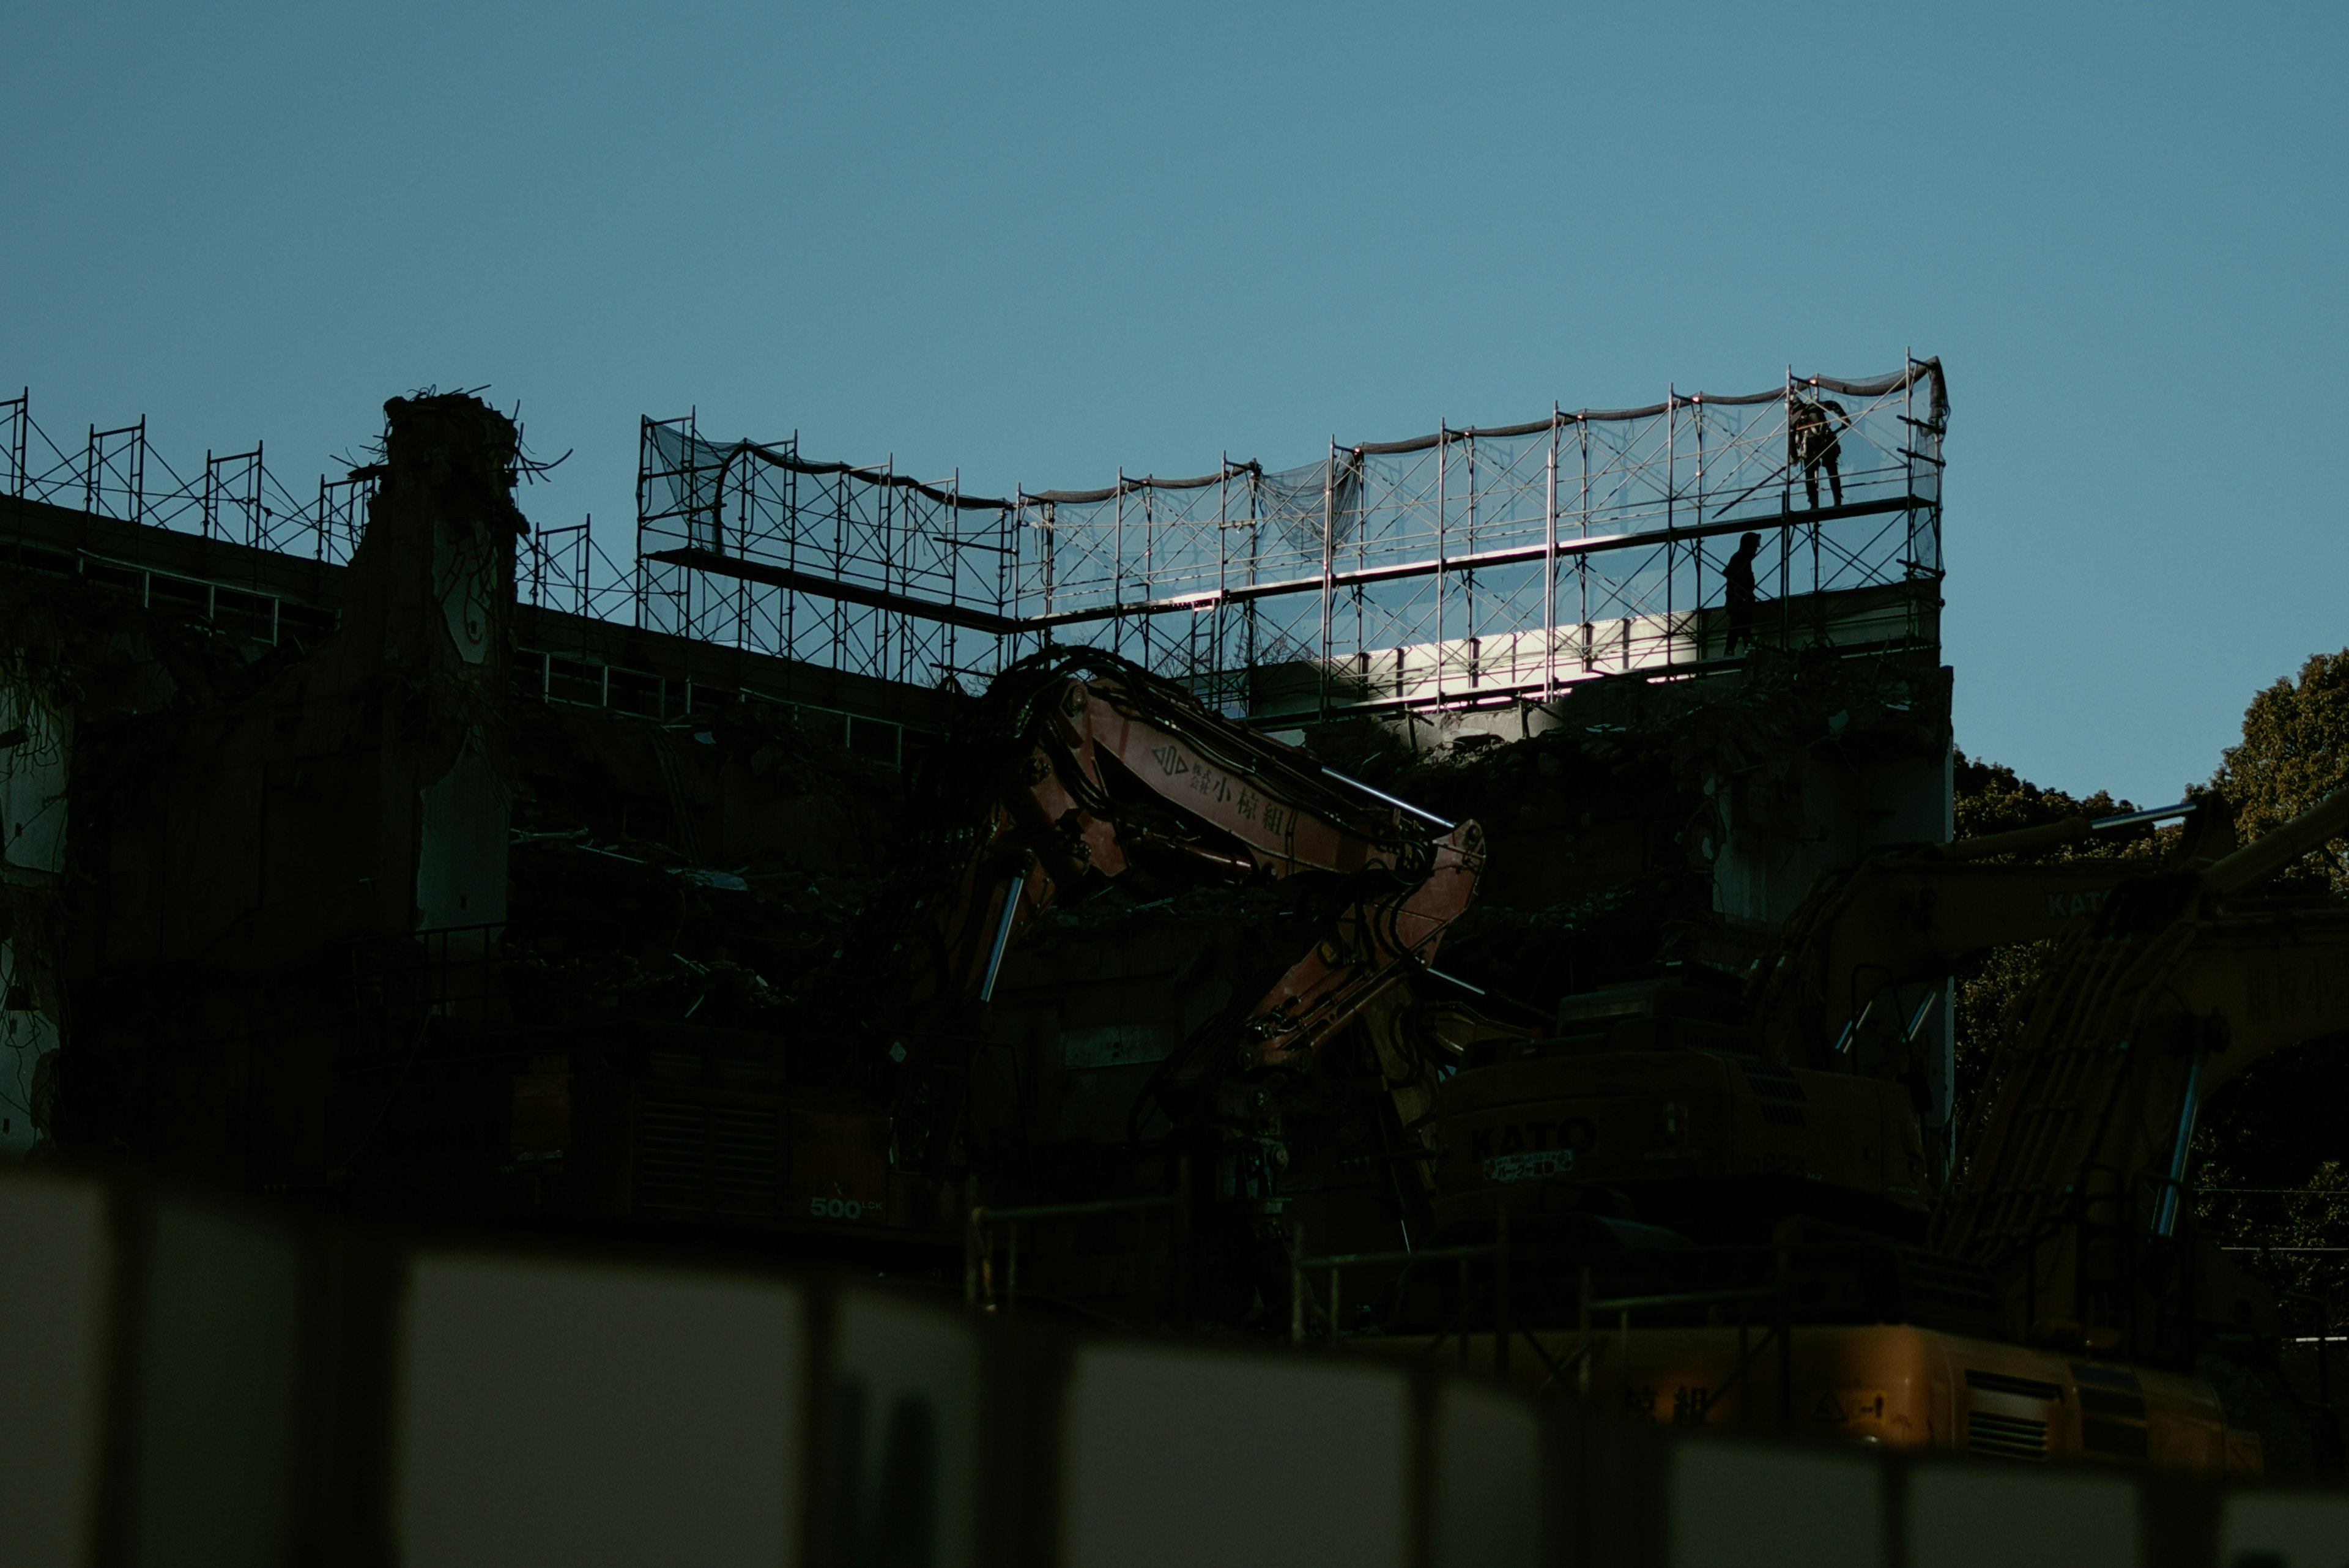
(1464, 565)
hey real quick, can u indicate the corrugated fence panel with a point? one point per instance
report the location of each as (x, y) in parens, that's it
(1770, 1507)
(56, 1288)
(1968, 1516)
(1487, 1492)
(557, 1412)
(1171, 1458)
(2281, 1530)
(906, 1434)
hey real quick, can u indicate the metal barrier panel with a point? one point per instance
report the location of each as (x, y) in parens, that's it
(1774, 1507)
(55, 1292)
(161, 1359)
(904, 1434)
(553, 1412)
(1171, 1458)
(214, 1427)
(2282, 1530)
(1487, 1493)
(1980, 1516)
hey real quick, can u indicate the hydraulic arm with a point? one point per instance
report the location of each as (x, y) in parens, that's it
(1084, 768)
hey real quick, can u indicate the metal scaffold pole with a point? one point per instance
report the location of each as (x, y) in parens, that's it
(1549, 562)
(899, 594)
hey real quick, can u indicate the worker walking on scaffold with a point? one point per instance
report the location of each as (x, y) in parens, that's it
(1815, 439)
(1738, 590)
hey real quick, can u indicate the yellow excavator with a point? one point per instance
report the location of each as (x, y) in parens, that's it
(1793, 1274)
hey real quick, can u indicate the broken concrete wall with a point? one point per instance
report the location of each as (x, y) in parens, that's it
(1104, 992)
(431, 597)
(1669, 820)
(460, 846)
(35, 763)
(29, 1042)
(358, 792)
(245, 820)
(293, 915)
(36, 728)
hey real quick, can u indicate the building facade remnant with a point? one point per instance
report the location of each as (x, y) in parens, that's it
(395, 876)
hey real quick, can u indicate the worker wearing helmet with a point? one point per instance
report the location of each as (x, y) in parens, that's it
(1815, 439)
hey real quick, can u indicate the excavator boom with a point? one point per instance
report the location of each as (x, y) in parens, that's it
(1088, 769)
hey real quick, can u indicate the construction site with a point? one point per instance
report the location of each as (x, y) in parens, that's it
(1487, 904)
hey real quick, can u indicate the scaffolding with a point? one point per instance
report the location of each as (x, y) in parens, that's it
(235, 497)
(861, 569)
(1467, 567)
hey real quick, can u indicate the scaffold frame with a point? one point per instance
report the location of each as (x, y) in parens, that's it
(1467, 568)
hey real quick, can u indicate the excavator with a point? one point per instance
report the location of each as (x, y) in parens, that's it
(2051, 1302)
(1079, 770)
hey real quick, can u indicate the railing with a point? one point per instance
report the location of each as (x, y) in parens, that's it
(1477, 565)
(978, 1243)
(1777, 1332)
(1335, 1264)
(236, 498)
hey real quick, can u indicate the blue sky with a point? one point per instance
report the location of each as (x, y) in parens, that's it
(1036, 243)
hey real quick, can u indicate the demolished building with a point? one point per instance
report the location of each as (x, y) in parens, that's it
(342, 861)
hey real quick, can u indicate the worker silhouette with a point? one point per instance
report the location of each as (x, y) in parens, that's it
(1815, 439)
(1737, 586)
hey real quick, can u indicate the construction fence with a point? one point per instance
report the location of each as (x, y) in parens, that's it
(191, 1381)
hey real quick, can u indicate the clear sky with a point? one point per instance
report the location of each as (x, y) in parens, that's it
(1036, 243)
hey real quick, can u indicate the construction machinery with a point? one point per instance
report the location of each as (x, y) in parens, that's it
(1079, 770)
(2050, 1304)
(1078, 773)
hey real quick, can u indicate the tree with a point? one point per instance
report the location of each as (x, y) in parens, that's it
(2295, 753)
(2272, 1150)
(2272, 1145)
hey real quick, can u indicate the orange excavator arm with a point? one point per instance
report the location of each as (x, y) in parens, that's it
(1250, 807)
(1099, 771)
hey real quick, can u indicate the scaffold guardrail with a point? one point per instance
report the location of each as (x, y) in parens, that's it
(1465, 566)
(235, 497)
(1469, 566)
